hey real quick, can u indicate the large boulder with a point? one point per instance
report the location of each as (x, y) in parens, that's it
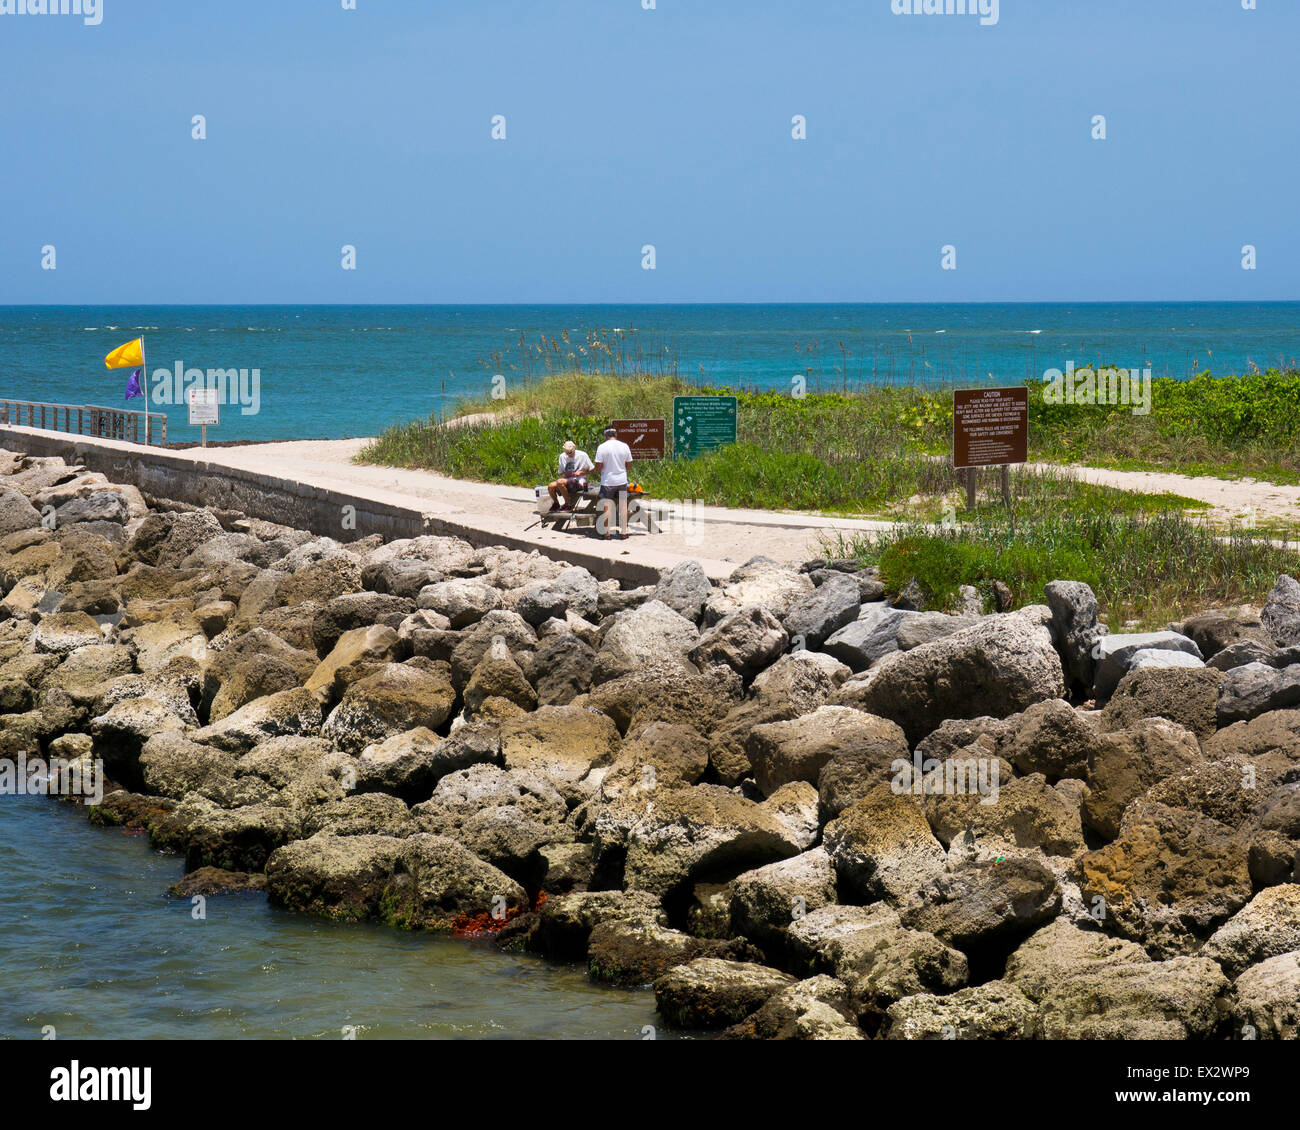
(562, 743)
(410, 764)
(420, 881)
(794, 685)
(1075, 626)
(686, 834)
(1127, 763)
(1281, 615)
(463, 600)
(1051, 738)
(574, 590)
(832, 605)
(1267, 926)
(1268, 998)
(814, 1009)
(1188, 696)
(1169, 880)
(984, 901)
(1181, 999)
(292, 712)
(633, 952)
(995, 1010)
(1062, 949)
(798, 749)
(870, 637)
(396, 698)
(1215, 631)
(879, 959)
(746, 641)
(684, 588)
(882, 846)
(650, 637)
(1256, 688)
(759, 581)
(999, 667)
(1115, 655)
(712, 993)
(355, 654)
(1019, 814)
(767, 900)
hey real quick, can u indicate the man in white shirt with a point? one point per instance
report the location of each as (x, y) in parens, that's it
(613, 458)
(572, 465)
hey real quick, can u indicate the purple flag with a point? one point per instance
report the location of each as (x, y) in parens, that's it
(133, 385)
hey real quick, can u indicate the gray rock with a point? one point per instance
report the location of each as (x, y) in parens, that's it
(1075, 628)
(871, 636)
(684, 588)
(1240, 653)
(746, 641)
(1001, 666)
(1281, 615)
(574, 590)
(1249, 691)
(1268, 998)
(16, 513)
(1115, 655)
(830, 607)
(926, 627)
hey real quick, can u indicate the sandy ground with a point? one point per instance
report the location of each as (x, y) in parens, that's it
(1230, 499)
(714, 533)
(720, 534)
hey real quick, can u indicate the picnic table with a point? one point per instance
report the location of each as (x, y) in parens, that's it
(587, 508)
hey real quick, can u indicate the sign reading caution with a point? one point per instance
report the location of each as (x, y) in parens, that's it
(701, 423)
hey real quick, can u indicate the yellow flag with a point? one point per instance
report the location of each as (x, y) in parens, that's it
(124, 356)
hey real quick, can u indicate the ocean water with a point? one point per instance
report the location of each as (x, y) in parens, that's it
(339, 371)
(92, 947)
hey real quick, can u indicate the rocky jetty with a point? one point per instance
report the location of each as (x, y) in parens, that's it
(797, 810)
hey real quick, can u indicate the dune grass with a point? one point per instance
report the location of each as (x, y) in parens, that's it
(1145, 567)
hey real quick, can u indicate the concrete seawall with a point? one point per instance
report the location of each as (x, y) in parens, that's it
(197, 476)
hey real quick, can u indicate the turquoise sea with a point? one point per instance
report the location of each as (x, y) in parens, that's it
(337, 371)
(92, 947)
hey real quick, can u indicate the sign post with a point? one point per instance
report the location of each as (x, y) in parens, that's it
(990, 428)
(204, 410)
(644, 437)
(701, 423)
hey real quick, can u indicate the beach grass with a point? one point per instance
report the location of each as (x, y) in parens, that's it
(1143, 567)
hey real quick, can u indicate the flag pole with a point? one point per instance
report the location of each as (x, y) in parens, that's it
(144, 388)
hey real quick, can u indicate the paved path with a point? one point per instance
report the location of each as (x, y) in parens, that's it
(719, 537)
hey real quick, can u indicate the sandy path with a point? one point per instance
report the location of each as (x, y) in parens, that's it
(1229, 499)
(716, 533)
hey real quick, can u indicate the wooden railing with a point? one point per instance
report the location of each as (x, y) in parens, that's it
(87, 420)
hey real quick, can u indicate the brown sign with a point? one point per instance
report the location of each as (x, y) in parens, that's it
(990, 426)
(644, 437)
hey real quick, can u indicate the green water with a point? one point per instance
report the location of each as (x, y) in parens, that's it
(91, 945)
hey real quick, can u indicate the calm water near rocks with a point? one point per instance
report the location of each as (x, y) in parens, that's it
(91, 944)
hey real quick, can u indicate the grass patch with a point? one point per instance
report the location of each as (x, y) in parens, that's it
(1147, 567)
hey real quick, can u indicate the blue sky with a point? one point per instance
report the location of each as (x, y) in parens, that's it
(669, 127)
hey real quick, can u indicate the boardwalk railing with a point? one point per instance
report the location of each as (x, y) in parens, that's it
(87, 420)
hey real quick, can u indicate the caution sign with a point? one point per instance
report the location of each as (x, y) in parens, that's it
(990, 426)
(644, 437)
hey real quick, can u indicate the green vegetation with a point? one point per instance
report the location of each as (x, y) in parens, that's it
(870, 453)
(1226, 426)
(1145, 567)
